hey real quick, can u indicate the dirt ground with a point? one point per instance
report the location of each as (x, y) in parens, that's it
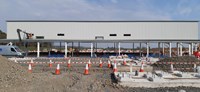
(16, 78)
(67, 82)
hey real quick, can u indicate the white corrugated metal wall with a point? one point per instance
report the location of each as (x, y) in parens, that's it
(88, 30)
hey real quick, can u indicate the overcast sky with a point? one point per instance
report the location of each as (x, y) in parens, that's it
(98, 10)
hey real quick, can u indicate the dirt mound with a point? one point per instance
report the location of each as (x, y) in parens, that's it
(12, 74)
(178, 63)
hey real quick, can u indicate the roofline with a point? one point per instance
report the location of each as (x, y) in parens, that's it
(102, 21)
(106, 41)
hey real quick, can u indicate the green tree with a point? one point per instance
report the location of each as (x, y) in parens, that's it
(3, 35)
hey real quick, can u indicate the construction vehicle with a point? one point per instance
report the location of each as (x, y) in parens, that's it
(26, 34)
(9, 51)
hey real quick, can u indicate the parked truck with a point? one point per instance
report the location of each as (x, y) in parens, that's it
(9, 51)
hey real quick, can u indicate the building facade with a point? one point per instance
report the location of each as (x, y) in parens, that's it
(107, 30)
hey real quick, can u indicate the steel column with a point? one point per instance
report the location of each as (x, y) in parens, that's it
(181, 49)
(91, 49)
(38, 49)
(163, 48)
(196, 45)
(189, 47)
(192, 49)
(170, 49)
(147, 55)
(119, 48)
(65, 49)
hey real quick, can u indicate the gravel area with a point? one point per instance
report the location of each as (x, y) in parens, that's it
(16, 78)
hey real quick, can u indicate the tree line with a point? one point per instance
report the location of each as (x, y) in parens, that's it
(2, 34)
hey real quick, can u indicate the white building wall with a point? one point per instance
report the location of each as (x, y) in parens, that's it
(88, 30)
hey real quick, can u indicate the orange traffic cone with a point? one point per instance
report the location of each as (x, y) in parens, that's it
(30, 68)
(115, 68)
(50, 63)
(109, 65)
(32, 63)
(124, 62)
(69, 63)
(142, 68)
(57, 72)
(100, 64)
(89, 63)
(86, 70)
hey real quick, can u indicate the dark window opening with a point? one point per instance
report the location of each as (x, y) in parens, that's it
(113, 34)
(60, 34)
(13, 50)
(127, 34)
(99, 37)
(39, 37)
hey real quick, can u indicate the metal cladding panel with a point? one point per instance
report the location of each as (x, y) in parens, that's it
(89, 30)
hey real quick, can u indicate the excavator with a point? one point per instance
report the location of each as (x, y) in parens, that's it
(27, 35)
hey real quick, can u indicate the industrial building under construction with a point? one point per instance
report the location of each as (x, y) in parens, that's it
(163, 33)
(175, 42)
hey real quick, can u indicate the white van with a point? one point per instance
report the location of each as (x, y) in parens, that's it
(9, 50)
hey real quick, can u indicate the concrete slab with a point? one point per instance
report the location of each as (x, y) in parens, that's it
(168, 80)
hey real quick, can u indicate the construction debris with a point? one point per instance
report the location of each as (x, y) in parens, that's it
(183, 63)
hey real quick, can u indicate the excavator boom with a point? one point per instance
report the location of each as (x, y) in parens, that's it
(28, 35)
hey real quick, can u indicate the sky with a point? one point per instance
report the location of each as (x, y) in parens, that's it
(98, 10)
